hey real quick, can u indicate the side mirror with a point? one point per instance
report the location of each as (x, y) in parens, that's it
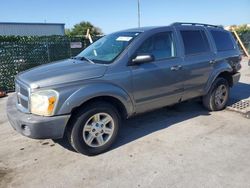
(143, 59)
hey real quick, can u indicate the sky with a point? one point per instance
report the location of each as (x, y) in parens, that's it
(114, 15)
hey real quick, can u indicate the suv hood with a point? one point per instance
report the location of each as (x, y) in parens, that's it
(64, 71)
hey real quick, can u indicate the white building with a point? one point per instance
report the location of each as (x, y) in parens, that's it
(31, 29)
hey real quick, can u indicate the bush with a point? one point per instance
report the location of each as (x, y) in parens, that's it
(244, 33)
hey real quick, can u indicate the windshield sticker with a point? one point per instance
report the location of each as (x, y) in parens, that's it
(124, 38)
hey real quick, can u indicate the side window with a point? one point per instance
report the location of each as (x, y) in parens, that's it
(222, 40)
(195, 41)
(161, 46)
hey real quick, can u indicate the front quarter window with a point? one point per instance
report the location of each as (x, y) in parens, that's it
(106, 49)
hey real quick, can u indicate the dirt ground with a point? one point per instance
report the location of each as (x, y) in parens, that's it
(181, 146)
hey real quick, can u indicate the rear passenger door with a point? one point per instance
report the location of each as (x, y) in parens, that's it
(198, 60)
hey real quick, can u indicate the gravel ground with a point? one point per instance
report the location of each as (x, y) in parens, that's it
(181, 146)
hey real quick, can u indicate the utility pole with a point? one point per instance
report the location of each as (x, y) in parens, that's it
(139, 13)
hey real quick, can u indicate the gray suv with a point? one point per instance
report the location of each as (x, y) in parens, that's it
(121, 75)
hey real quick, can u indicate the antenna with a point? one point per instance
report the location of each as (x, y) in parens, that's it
(139, 13)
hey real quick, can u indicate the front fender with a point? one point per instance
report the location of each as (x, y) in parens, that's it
(218, 68)
(93, 90)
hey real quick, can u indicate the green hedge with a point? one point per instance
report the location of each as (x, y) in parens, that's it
(21, 53)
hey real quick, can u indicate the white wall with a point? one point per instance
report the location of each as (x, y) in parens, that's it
(31, 29)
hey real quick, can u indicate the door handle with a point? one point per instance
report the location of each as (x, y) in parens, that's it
(212, 62)
(175, 68)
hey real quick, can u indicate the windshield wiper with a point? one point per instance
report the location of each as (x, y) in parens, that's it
(82, 58)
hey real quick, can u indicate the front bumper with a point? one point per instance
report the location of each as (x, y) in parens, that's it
(35, 126)
(236, 78)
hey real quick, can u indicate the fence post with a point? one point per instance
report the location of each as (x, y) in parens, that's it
(70, 52)
(47, 45)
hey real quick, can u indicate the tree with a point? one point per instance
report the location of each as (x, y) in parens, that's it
(67, 32)
(81, 29)
(244, 33)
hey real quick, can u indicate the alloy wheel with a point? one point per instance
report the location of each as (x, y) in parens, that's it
(98, 129)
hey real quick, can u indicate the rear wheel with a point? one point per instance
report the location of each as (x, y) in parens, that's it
(218, 95)
(94, 129)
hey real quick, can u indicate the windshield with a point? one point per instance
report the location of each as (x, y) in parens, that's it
(106, 49)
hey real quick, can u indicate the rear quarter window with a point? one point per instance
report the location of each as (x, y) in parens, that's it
(195, 41)
(223, 40)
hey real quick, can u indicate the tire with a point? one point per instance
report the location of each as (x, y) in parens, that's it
(87, 128)
(215, 100)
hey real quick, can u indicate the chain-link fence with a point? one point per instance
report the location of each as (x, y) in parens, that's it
(244, 34)
(247, 45)
(21, 53)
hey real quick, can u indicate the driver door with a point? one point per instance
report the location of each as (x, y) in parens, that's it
(160, 82)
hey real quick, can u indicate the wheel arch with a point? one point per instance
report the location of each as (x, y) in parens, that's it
(228, 76)
(98, 92)
(109, 99)
(224, 72)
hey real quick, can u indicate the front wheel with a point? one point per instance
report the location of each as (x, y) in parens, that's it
(94, 129)
(218, 95)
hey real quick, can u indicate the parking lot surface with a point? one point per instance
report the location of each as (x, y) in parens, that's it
(179, 146)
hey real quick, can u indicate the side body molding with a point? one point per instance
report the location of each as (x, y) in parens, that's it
(219, 67)
(93, 90)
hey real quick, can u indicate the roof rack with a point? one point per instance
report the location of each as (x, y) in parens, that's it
(195, 24)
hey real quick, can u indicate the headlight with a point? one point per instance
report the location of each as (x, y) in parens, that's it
(43, 102)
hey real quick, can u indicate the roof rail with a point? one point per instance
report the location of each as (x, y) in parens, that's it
(195, 24)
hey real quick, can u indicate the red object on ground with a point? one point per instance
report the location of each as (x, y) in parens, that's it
(2, 93)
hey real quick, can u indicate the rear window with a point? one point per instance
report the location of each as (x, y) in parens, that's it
(195, 41)
(223, 40)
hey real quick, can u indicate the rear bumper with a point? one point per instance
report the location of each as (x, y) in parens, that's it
(33, 126)
(236, 78)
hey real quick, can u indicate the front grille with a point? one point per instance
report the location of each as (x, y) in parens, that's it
(22, 93)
